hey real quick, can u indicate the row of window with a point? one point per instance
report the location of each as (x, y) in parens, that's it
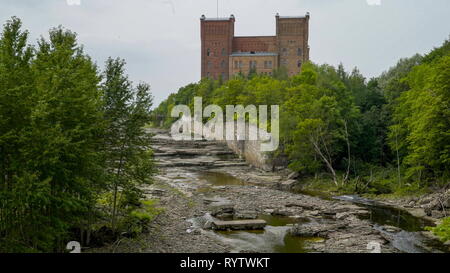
(285, 62)
(223, 64)
(253, 64)
(224, 74)
(210, 53)
(209, 75)
(285, 52)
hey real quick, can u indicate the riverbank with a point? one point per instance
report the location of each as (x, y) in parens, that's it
(202, 181)
(431, 206)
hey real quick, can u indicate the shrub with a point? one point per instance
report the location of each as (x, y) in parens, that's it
(442, 230)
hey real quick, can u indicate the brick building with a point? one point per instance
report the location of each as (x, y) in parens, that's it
(225, 55)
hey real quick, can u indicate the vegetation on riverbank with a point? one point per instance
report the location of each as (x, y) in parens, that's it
(386, 135)
(72, 149)
(442, 230)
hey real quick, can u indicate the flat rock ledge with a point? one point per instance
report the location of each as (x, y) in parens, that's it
(239, 225)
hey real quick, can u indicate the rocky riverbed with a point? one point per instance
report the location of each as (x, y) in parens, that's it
(201, 182)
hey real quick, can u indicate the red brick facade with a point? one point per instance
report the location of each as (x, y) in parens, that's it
(221, 50)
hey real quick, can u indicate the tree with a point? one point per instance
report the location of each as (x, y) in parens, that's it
(422, 121)
(66, 133)
(127, 146)
(318, 111)
(16, 87)
(51, 120)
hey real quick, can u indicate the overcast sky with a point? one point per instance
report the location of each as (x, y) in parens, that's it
(160, 39)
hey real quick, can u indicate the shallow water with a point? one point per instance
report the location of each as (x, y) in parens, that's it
(409, 239)
(274, 237)
(220, 179)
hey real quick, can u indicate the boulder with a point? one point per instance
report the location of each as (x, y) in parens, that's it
(281, 212)
(287, 185)
(343, 215)
(246, 215)
(391, 229)
(293, 176)
(411, 204)
(208, 225)
(222, 210)
(328, 213)
(437, 214)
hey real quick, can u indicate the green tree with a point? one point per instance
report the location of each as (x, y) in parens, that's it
(318, 114)
(16, 87)
(65, 138)
(129, 157)
(422, 121)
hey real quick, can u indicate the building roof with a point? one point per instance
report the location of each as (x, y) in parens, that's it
(250, 54)
(204, 18)
(292, 17)
(217, 19)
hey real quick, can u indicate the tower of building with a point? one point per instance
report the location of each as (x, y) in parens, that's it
(224, 55)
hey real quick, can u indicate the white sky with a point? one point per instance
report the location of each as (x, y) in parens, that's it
(160, 39)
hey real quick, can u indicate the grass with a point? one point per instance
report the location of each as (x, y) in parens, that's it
(442, 230)
(380, 187)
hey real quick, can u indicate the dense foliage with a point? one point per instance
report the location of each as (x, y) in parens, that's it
(383, 135)
(63, 130)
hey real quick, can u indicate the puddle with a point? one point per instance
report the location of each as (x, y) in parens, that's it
(409, 239)
(220, 179)
(273, 239)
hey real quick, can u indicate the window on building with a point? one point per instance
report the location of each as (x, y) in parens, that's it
(253, 64)
(240, 64)
(223, 64)
(208, 52)
(208, 74)
(224, 52)
(223, 75)
(210, 64)
(267, 64)
(236, 64)
(299, 52)
(285, 52)
(299, 64)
